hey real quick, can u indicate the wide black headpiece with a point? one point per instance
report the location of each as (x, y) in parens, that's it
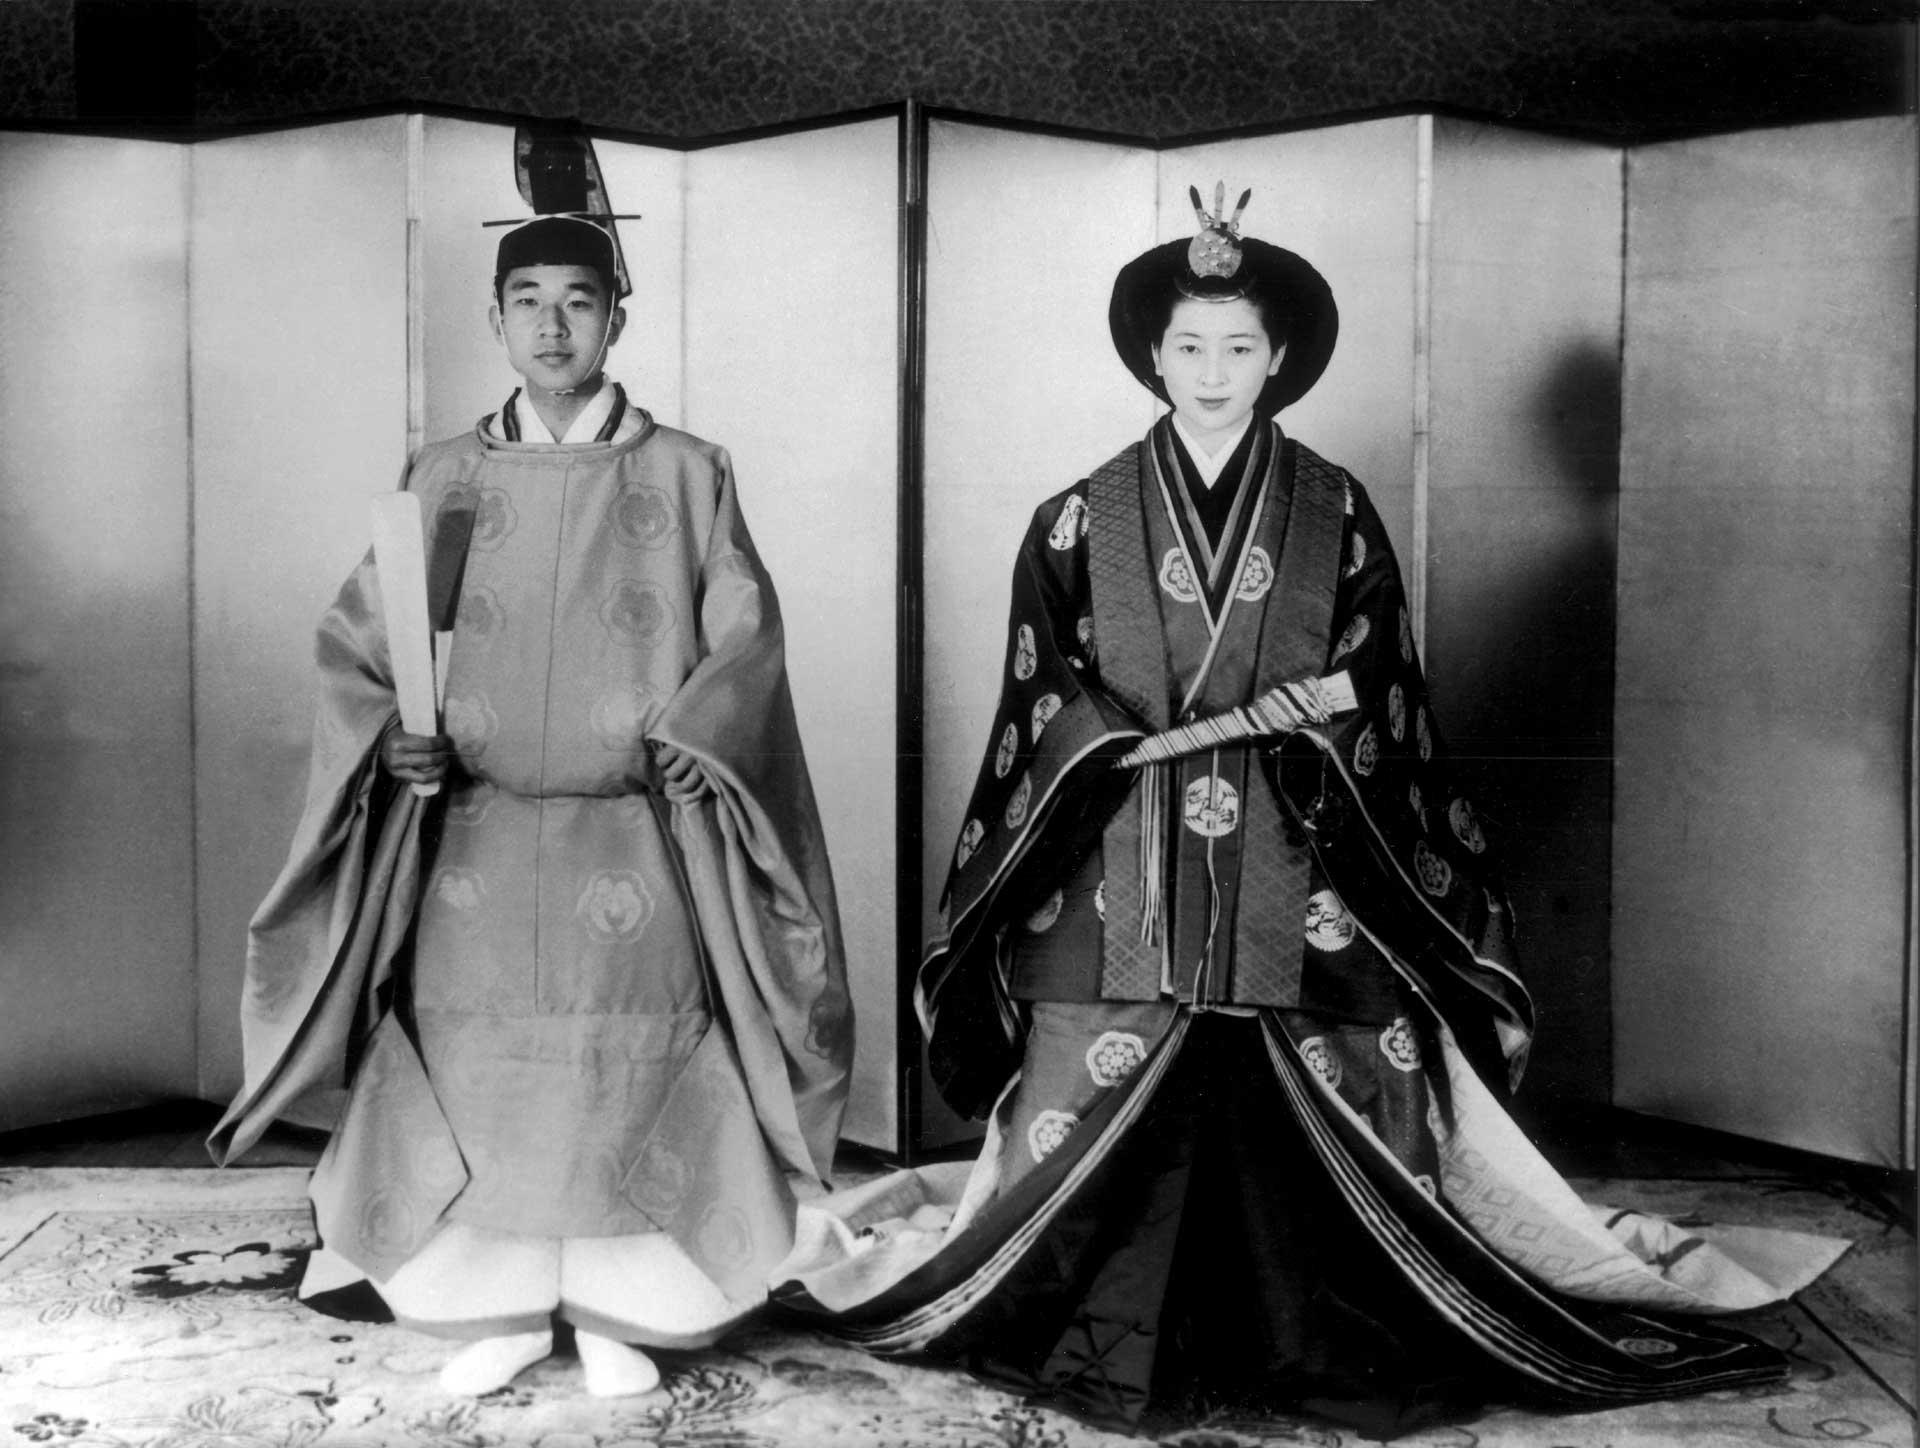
(559, 178)
(1218, 264)
(560, 241)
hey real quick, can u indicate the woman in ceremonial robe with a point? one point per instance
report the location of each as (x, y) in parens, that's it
(1225, 961)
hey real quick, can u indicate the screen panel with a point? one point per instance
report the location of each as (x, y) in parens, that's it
(793, 365)
(1024, 396)
(96, 917)
(1761, 866)
(298, 310)
(466, 177)
(1522, 497)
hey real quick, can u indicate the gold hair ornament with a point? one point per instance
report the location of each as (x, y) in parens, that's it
(1215, 251)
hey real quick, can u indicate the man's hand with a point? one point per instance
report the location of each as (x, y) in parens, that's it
(415, 758)
(682, 780)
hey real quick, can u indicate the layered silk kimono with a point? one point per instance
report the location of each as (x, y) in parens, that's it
(583, 1039)
(1242, 1019)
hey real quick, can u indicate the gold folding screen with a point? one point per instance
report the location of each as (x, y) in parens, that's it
(1762, 835)
(96, 729)
(896, 401)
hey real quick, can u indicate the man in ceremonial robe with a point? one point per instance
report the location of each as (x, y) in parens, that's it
(580, 1019)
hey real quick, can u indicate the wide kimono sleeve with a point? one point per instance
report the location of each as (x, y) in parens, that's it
(322, 945)
(1389, 821)
(1045, 789)
(757, 859)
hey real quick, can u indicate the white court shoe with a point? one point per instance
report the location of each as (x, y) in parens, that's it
(493, 1362)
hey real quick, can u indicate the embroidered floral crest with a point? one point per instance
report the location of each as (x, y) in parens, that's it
(1436, 875)
(1212, 807)
(1646, 1346)
(1366, 752)
(1321, 1059)
(387, 1219)
(1100, 899)
(636, 613)
(1357, 556)
(459, 888)
(725, 1235)
(1084, 632)
(1114, 1056)
(470, 722)
(1176, 578)
(479, 615)
(1044, 708)
(1048, 1130)
(469, 806)
(1017, 806)
(642, 516)
(1466, 827)
(661, 1179)
(1406, 636)
(970, 839)
(493, 517)
(1042, 919)
(1024, 656)
(1329, 926)
(1009, 747)
(1397, 712)
(1256, 578)
(1418, 803)
(1070, 525)
(1423, 731)
(1355, 635)
(615, 906)
(1399, 1045)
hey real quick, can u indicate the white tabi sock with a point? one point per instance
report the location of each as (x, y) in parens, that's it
(615, 1369)
(493, 1362)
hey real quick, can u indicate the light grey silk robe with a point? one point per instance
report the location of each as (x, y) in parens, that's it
(556, 1002)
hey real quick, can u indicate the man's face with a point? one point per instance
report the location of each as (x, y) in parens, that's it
(1214, 359)
(556, 322)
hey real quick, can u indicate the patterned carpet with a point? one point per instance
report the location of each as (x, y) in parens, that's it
(155, 1309)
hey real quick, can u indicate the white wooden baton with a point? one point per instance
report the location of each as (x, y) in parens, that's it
(400, 553)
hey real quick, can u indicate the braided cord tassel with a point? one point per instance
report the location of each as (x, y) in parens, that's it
(1153, 846)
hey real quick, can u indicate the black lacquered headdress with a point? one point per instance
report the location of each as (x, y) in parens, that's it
(573, 222)
(1220, 264)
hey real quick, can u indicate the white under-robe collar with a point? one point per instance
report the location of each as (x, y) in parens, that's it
(1208, 464)
(584, 428)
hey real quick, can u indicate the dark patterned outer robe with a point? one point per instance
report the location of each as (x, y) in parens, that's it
(1317, 879)
(1323, 1202)
(553, 1001)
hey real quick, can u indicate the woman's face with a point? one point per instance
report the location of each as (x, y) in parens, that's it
(1214, 359)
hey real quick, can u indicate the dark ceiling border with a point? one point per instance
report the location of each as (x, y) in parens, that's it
(194, 134)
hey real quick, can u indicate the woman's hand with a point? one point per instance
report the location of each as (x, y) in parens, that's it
(415, 758)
